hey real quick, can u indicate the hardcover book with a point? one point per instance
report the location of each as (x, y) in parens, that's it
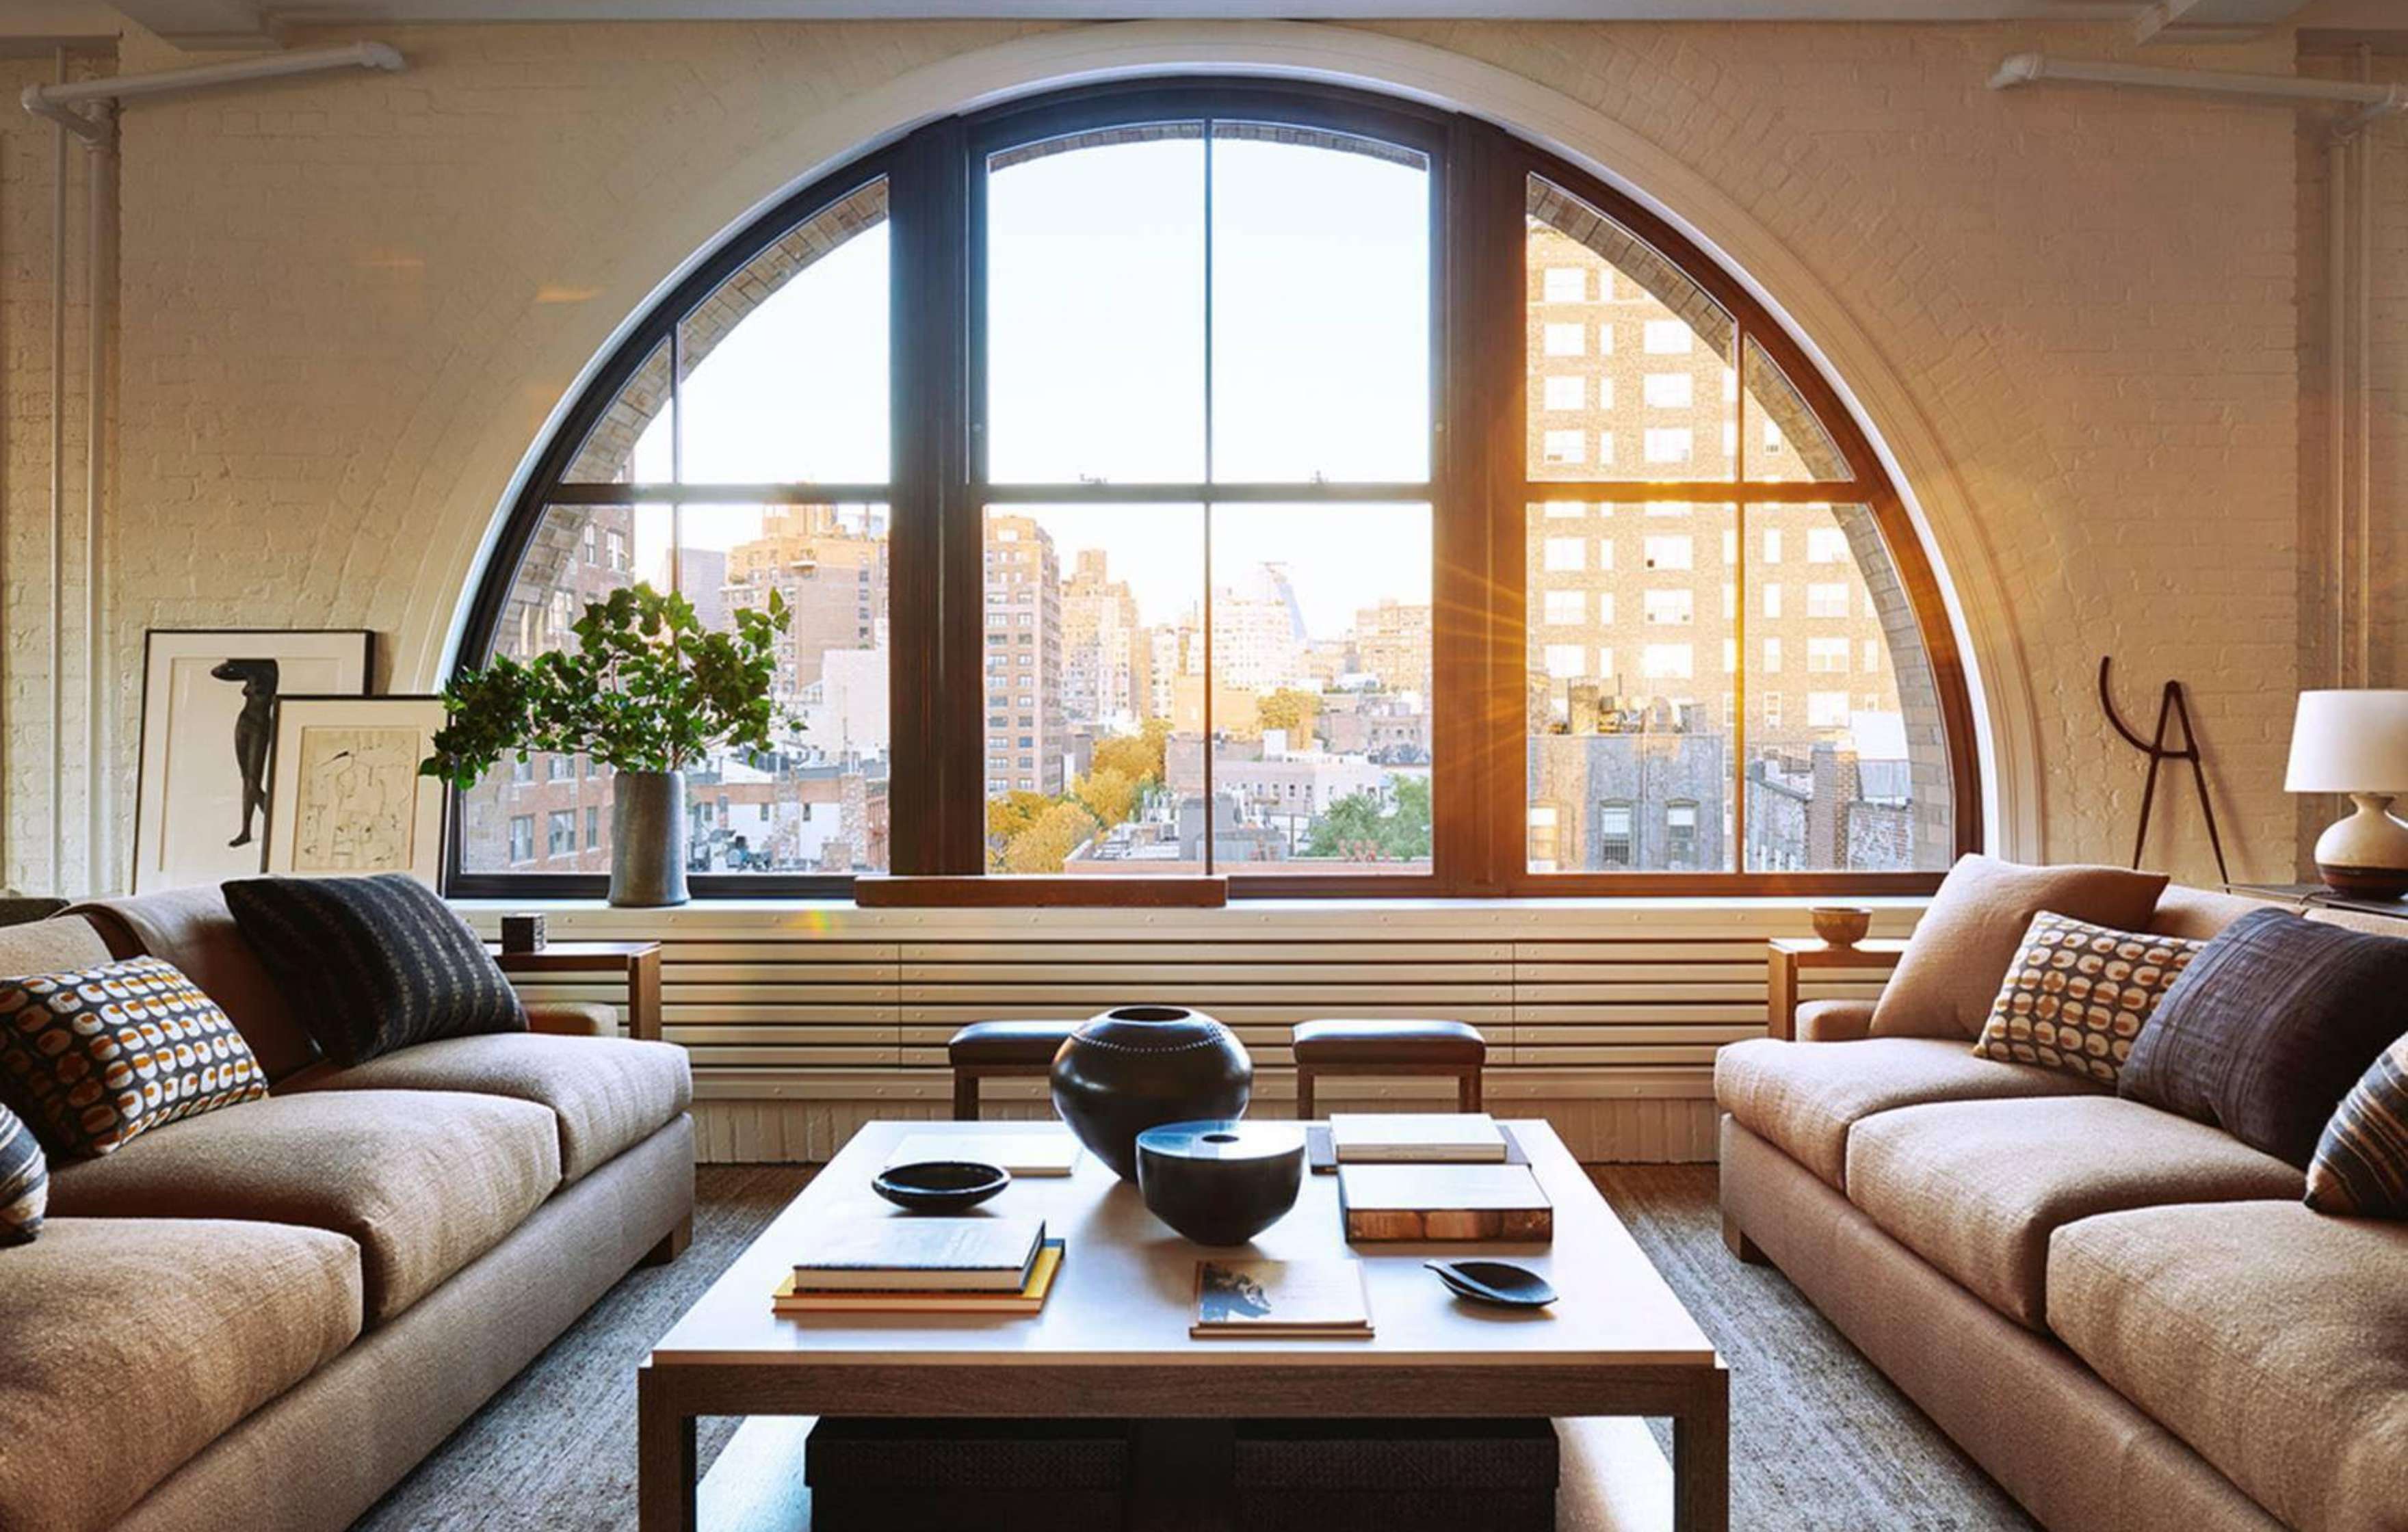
(789, 1299)
(1284, 1299)
(1443, 1203)
(1040, 1151)
(923, 1255)
(1416, 1138)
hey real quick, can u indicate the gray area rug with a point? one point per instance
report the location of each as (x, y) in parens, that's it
(1819, 1439)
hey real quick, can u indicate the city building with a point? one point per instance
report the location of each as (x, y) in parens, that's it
(1026, 727)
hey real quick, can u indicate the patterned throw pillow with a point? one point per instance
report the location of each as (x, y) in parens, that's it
(371, 965)
(97, 1056)
(2077, 993)
(25, 1182)
(2361, 1165)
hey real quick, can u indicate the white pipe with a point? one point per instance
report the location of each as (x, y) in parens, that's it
(2031, 68)
(2337, 392)
(59, 102)
(57, 871)
(2364, 197)
(100, 248)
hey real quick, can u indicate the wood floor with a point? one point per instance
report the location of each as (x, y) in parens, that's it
(1819, 1439)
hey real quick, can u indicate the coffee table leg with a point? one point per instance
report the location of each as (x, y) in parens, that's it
(665, 1458)
(1701, 1457)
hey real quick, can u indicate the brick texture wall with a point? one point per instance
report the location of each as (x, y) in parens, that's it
(337, 293)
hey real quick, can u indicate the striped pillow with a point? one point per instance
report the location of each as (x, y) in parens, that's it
(94, 1056)
(372, 965)
(2361, 1165)
(25, 1182)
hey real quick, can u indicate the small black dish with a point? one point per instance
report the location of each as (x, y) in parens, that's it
(940, 1186)
(1500, 1282)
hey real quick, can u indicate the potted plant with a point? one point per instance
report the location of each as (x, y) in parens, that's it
(646, 691)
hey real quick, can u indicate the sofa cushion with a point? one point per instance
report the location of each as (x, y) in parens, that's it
(1804, 1096)
(51, 946)
(128, 1345)
(2196, 914)
(95, 1057)
(1977, 1187)
(2361, 1165)
(192, 928)
(25, 1182)
(423, 1181)
(371, 965)
(2077, 995)
(609, 1094)
(2269, 1028)
(1951, 969)
(2272, 1338)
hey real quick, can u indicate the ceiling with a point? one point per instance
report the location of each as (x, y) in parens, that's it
(251, 24)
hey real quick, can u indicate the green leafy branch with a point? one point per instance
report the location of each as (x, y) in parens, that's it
(648, 687)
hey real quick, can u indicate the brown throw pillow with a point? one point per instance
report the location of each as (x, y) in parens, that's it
(94, 1057)
(2268, 1027)
(2077, 993)
(1951, 971)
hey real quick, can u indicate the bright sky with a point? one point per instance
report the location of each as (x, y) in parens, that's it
(1097, 257)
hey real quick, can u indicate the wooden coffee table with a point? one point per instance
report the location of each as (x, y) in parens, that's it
(1112, 1342)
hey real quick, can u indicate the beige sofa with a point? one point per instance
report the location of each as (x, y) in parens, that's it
(261, 1318)
(2130, 1319)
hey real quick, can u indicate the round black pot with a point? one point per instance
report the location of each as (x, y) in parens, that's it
(1138, 1067)
(1220, 1183)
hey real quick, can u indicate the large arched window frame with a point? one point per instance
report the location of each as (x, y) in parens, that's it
(1488, 189)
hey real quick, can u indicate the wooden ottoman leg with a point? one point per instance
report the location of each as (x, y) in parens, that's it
(966, 1096)
(1468, 1091)
(1303, 1094)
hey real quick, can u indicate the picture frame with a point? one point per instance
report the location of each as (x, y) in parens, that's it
(209, 735)
(347, 799)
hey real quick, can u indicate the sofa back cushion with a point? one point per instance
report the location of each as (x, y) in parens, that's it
(2268, 1027)
(371, 965)
(193, 929)
(2196, 914)
(50, 946)
(1951, 971)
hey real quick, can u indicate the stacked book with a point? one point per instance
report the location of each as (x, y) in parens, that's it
(1437, 1176)
(924, 1265)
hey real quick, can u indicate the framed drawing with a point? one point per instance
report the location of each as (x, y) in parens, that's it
(347, 798)
(208, 738)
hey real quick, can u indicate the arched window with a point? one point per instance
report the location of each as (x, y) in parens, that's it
(1240, 479)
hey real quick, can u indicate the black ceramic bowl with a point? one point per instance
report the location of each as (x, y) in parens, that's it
(940, 1186)
(1220, 1183)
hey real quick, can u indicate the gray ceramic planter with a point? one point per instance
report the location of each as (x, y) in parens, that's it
(648, 839)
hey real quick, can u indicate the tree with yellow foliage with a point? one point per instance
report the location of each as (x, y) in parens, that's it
(1048, 841)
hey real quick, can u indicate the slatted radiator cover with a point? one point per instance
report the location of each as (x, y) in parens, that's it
(805, 1020)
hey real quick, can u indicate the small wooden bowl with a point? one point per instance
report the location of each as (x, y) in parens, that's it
(940, 1186)
(1839, 925)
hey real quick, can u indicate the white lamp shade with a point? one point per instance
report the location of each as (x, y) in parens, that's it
(2350, 742)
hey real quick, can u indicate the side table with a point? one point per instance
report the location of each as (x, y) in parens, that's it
(1786, 956)
(639, 961)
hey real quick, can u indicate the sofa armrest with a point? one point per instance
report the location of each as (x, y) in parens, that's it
(1835, 1021)
(565, 1018)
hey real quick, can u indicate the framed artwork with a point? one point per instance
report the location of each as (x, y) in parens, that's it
(347, 798)
(209, 741)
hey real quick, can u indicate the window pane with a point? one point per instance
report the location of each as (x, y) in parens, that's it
(511, 820)
(1630, 363)
(1094, 690)
(1631, 687)
(784, 364)
(1846, 767)
(1320, 666)
(1785, 443)
(1094, 250)
(819, 804)
(1320, 306)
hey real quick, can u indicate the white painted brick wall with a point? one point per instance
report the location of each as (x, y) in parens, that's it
(332, 288)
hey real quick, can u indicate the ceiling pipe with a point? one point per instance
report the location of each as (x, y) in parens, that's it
(59, 103)
(2374, 102)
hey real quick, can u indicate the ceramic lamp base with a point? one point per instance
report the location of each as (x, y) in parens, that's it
(2365, 856)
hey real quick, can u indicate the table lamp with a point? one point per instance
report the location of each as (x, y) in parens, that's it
(2356, 742)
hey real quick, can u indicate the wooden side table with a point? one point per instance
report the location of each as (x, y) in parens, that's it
(1786, 956)
(638, 961)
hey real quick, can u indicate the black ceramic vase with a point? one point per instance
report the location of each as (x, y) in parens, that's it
(1221, 1183)
(1137, 1067)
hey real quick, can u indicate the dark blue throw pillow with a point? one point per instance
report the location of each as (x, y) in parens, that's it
(371, 965)
(2268, 1027)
